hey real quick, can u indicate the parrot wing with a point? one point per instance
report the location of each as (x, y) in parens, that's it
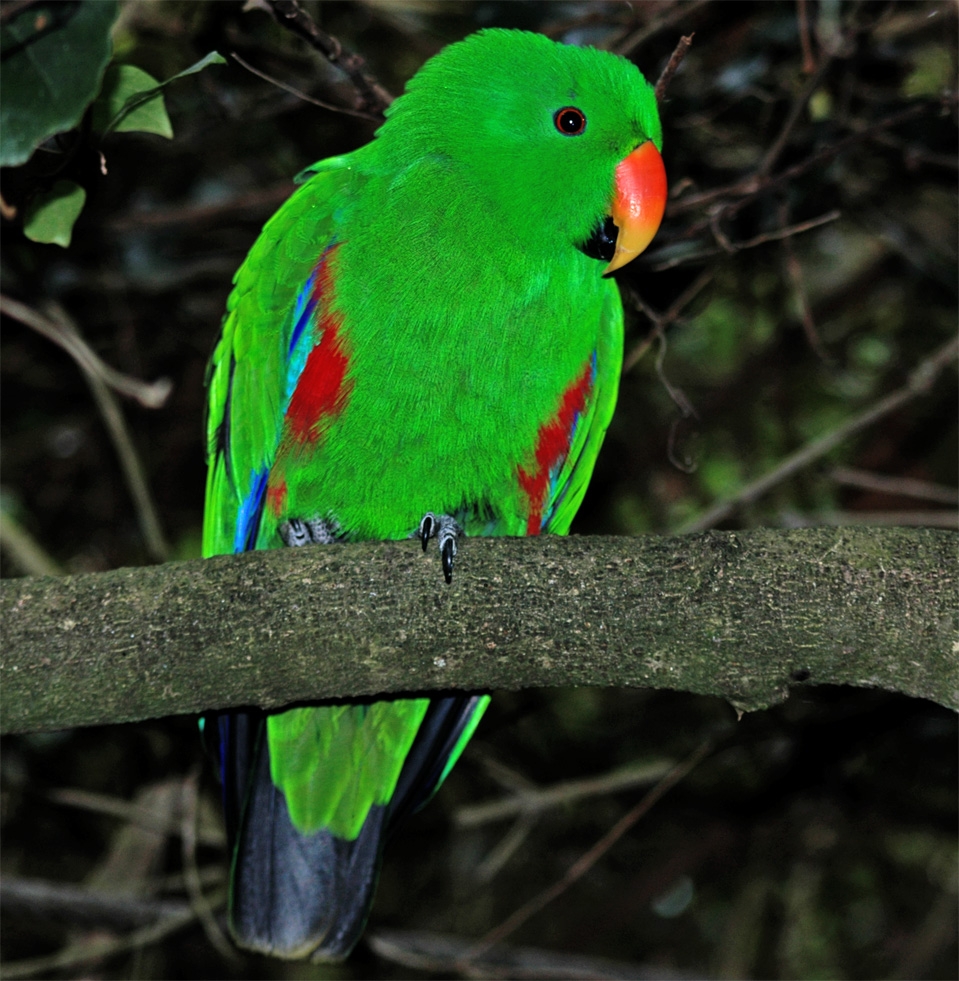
(268, 333)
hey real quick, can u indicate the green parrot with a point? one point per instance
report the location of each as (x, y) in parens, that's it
(423, 342)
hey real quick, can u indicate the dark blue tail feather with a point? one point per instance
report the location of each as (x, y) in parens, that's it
(296, 895)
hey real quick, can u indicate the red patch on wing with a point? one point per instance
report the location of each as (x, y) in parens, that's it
(323, 388)
(552, 445)
(276, 497)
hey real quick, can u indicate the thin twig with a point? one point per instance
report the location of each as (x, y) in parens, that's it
(686, 408)
(191, 872)
(788, 231)
(65, 332)
(498, 857)
(920, 381)
(658, 333)
(639, 351)
(134, 472)
(678, 13)
(795, 276)
(150, 394)
(914, 155)
(675, 60)
(688, 295)
(716, 227)
(586, 861)
(754, 185)
(922, 490)
(371, 95)
(302, 95)
(808, 61)
(542, 798)
(24, 550)
(443, 955)
(730, 246)
(796, 111)
(80, 905)
(85, 951)
(101, 378)
(663, 320)
(124, 810)
(210, 875)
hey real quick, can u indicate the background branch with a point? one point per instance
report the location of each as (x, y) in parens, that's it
(150, 394)
(919, 382)
(371, 95)
(101, 378)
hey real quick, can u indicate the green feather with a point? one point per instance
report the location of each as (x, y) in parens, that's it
(353, 752)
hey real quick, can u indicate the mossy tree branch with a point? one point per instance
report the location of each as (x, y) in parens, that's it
(740, 615)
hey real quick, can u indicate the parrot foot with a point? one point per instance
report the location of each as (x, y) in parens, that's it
(445, 530)
(316, 532)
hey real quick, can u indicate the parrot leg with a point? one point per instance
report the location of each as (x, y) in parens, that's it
(316, 532)
(445, 530)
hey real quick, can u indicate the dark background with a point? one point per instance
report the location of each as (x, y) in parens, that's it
(816, 840)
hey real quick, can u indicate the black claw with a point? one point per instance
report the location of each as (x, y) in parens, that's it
(448, 546)
(425, 528)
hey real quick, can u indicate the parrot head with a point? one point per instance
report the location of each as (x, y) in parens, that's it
(561, 144)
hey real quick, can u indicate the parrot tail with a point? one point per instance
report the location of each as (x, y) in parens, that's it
(296, 895)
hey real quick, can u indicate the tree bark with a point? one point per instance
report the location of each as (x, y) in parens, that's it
(740, 615)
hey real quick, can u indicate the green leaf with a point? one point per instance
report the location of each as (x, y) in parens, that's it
(142, 97)
(124, 84)
(52, 58)
(932, 72)
(212, 58)
(51, 216)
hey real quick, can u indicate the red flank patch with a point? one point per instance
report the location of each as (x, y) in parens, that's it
(552, 445)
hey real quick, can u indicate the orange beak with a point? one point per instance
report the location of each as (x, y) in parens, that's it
(639, 203)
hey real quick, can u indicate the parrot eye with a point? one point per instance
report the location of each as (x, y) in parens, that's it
(569, 120)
